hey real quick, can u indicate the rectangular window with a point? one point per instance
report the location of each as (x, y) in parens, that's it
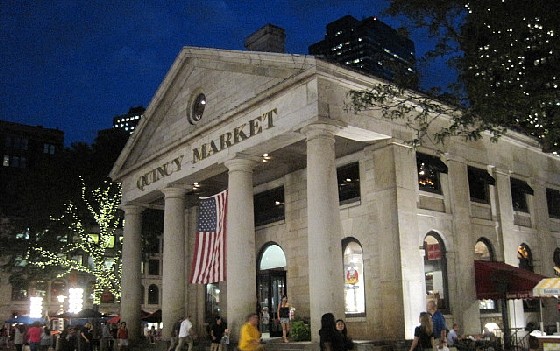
(479, 181)
(153, 267)
(519, 192)
(553, 202)
(488, 306)
(429, 169)
(48, 149)
(348, 178)
(269, 206)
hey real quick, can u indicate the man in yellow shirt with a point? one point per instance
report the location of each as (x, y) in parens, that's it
(250, 339)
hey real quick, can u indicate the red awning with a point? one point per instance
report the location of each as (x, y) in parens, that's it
(498, 280)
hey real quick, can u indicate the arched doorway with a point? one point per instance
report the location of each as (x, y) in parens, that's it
(271, 285)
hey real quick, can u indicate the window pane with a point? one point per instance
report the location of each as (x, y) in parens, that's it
(435, 269)
(354, 285)
(553, 202)
(525, 257)
(479, 180)
(153, 267)
(348, 183)
(213, 301)
(153, 295)
(269, 206)
(429, 168)
(519, 191)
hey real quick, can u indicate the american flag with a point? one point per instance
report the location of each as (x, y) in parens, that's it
(209, 259)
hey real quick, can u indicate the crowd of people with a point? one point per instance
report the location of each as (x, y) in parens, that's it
(87, 337)
(35, 336)
(430, 335)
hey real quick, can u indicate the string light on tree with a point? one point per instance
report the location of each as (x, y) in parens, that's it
(99, 253)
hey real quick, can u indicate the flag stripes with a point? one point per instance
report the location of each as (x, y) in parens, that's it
(209, 259)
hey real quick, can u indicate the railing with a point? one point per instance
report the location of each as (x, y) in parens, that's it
(518, 340)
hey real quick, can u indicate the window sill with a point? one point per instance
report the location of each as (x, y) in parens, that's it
(354, 318)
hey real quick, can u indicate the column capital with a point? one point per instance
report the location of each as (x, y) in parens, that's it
(320, 130)
(132, 209)
(241, 164)
(174, 192)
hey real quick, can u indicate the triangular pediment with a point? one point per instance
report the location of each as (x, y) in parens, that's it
(230, 81)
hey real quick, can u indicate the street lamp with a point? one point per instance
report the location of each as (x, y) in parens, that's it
(61, 299)
(75, 300)
(35, 307)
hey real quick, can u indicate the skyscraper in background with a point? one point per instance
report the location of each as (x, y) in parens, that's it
(23, 147)
(368, 45)
(130, 120)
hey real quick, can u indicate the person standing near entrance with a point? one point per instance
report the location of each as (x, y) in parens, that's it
(217, 332)
(284, 316)
(438, 320)
(185, 335)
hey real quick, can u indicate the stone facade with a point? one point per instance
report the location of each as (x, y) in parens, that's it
(292, 108)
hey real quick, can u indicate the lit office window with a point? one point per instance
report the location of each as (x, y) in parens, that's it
(429, 169)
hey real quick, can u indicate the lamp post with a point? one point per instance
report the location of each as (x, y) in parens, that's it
(60, 321)
(35, 306)
(75, 300)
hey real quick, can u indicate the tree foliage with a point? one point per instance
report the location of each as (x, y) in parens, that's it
(45, 192)
(507, 56)
(80, 249)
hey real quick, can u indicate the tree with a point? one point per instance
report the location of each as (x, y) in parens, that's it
(44, 191)
(507, 57)
(98, 253)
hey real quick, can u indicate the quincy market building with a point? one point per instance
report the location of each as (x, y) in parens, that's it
(330, 207)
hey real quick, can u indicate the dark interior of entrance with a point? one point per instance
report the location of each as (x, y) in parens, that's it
(271, 285)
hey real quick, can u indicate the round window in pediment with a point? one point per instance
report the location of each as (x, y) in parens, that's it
(197, 110)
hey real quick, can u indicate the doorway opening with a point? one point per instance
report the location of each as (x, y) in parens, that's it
(271, 286)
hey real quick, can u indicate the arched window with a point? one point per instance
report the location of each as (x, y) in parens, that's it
(153, 295)
(354, 285)
(483, 252)
(435, 270)
(272, 257)
(525, 257)
(556, 260)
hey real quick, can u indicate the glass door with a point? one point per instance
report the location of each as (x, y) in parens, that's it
(271, 287)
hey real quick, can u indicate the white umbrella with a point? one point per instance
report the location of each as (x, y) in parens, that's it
(548, 287)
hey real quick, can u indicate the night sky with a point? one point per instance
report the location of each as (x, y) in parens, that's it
(75, 64)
